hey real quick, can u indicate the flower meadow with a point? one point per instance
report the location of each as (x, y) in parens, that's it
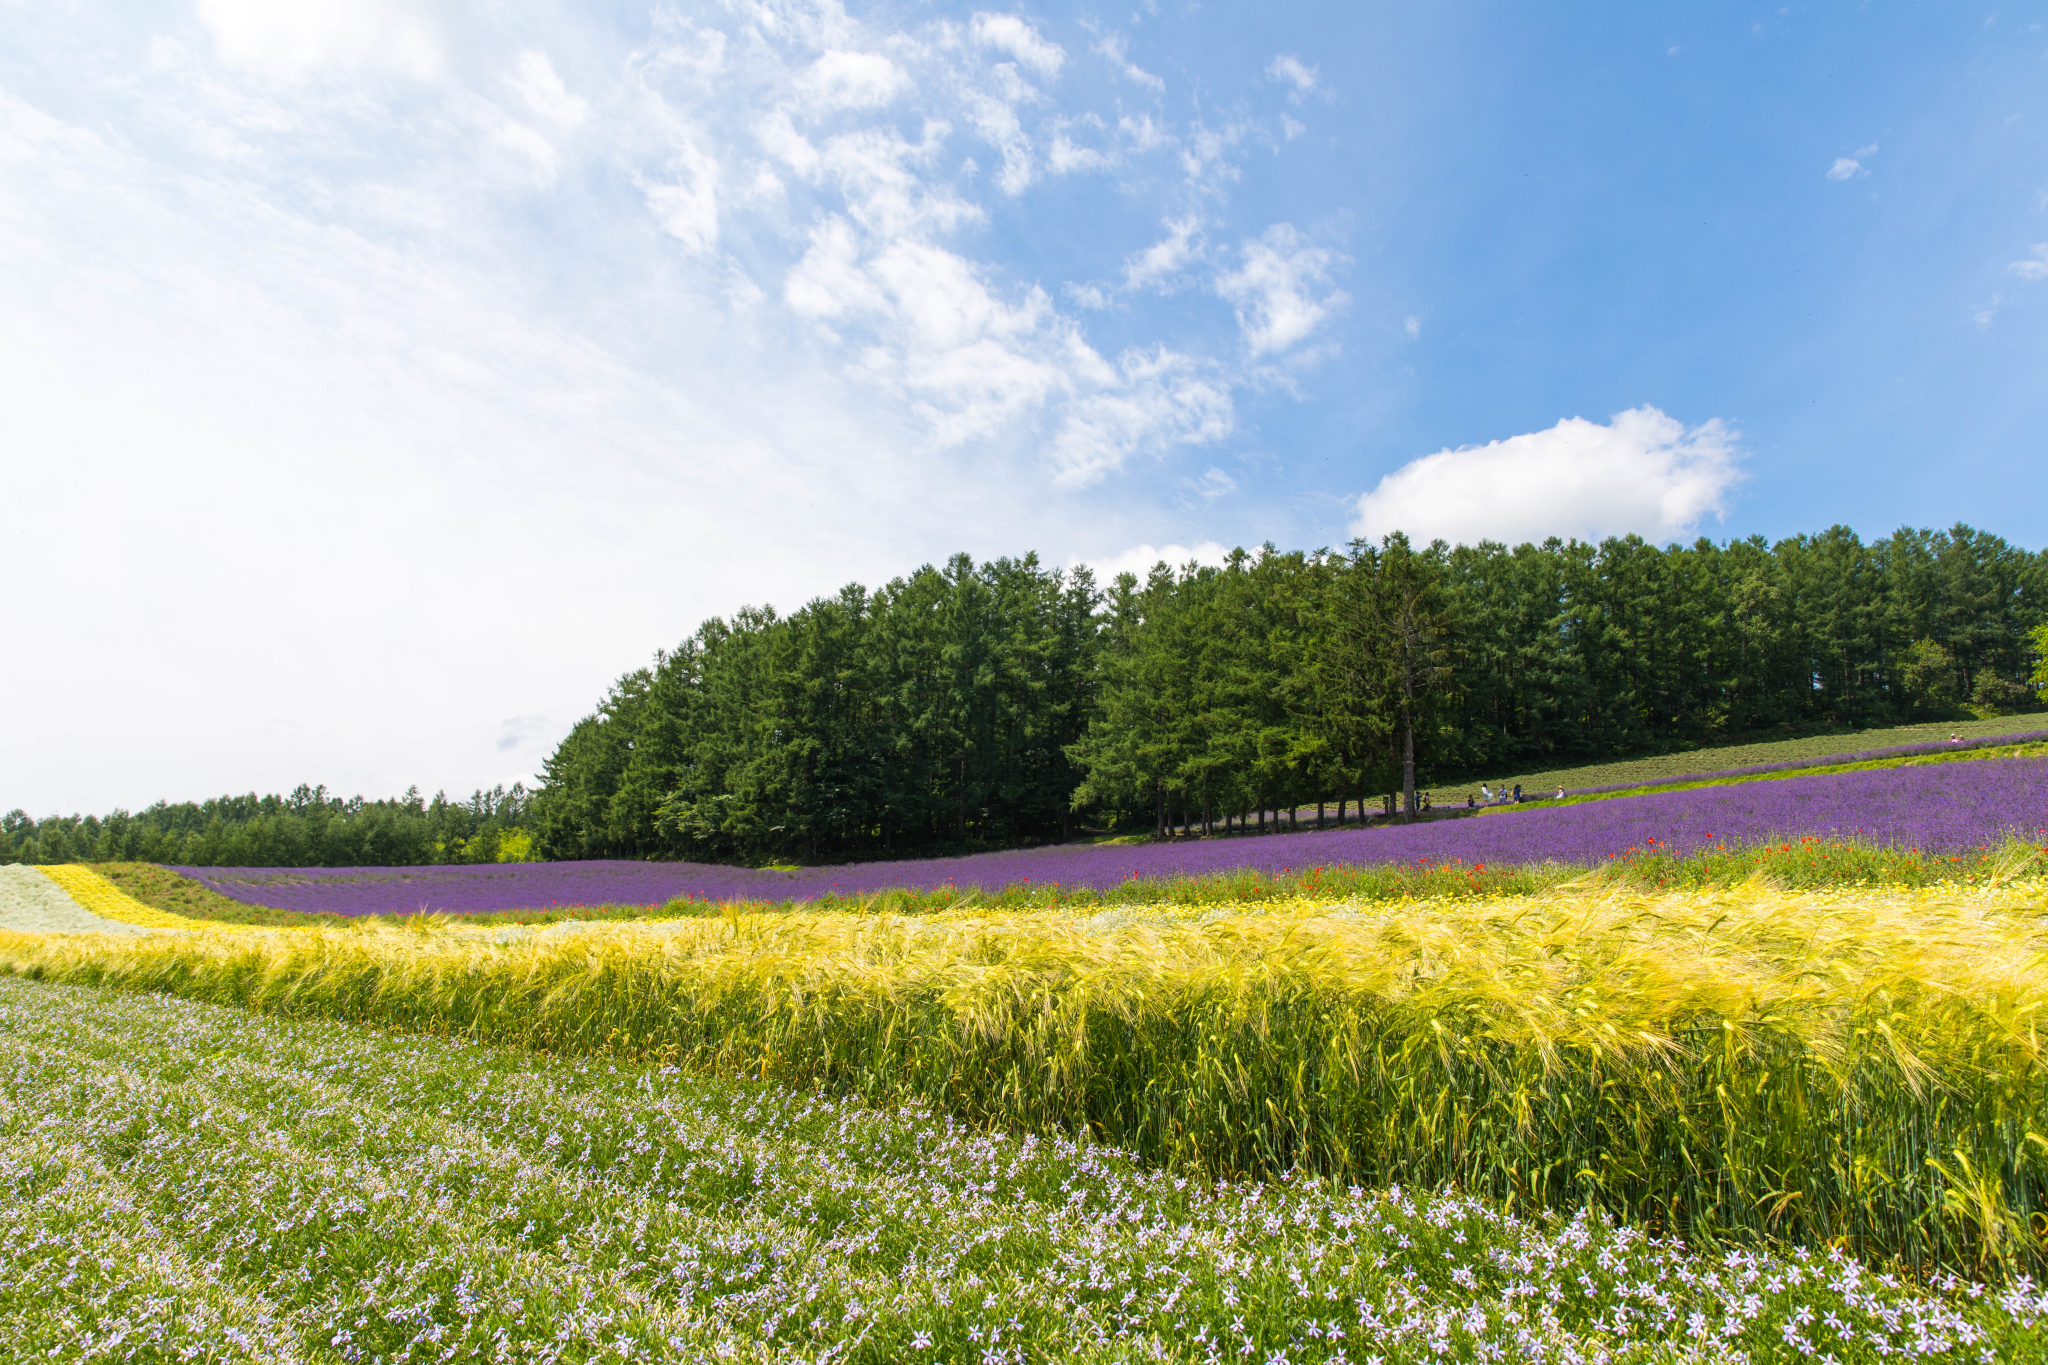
(180, 1181)
(1939, 808)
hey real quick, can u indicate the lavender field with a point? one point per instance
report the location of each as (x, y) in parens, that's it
(1942, 808)
(1789, 765)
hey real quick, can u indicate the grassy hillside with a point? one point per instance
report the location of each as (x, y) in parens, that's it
(1665, 766)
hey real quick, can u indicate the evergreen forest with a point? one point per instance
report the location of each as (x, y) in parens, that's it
(1000, 703)
(308, 828)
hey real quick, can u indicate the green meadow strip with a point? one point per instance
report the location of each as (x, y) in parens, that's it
(2032, 750)
(409, 1199)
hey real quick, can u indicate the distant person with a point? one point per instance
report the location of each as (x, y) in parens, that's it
(1560, 793)
(1518, 793)
(1954, 738)
(1470, 802)
(1486, 792)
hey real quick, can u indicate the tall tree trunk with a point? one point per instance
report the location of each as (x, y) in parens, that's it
(1408, 734)
(1408, 768)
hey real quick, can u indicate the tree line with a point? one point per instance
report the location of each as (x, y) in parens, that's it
(309, 828)
(992, 704)
(1003, 703)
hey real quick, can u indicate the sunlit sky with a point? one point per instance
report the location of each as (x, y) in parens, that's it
(382, 379)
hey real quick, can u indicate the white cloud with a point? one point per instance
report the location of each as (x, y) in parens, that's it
(1293, 71)
(1150, 401)
(1275, 290)
(533, 76)
(853, 80)
(1160, 265)
(1849, 167)
(1092, 297)
(1008, 33)
(1213, 484)
(292, 37)
(1066, 156)
(687, 207)
(1116, 49)
(1644, 472)
(2035, 266)
(1140, 559)
(1413, 327)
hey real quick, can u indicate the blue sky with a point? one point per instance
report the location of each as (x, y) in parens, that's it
(385, 378)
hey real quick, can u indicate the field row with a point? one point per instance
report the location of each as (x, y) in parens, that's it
(1858, 1067)
(1901, 818)
(186, 1182)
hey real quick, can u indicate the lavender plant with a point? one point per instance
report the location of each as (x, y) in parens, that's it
(1947, 809)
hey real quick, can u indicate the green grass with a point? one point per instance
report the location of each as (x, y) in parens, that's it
(162, 888)
(1681, 764)
(2033, 750)
(185, 1182)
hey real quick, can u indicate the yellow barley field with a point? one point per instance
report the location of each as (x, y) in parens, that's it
(1859, 1067)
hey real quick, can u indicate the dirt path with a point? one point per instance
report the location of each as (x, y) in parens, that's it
(31, 903)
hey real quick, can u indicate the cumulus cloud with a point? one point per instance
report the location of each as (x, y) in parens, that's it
(853, 80)
(1139, 559)
(1643, 472)
(1160, 265)
(2035, 266)
(1276, 288)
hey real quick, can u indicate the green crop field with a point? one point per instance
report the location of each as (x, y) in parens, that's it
(181, 1181)
(1684, 762)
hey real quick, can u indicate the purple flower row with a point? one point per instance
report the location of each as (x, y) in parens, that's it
(1896, 751)
(1938, 808)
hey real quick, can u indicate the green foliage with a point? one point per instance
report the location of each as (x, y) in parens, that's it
(1928, 676)
(309, 828)
(934, 712)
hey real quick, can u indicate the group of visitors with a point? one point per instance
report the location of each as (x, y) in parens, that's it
(1503, 797)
